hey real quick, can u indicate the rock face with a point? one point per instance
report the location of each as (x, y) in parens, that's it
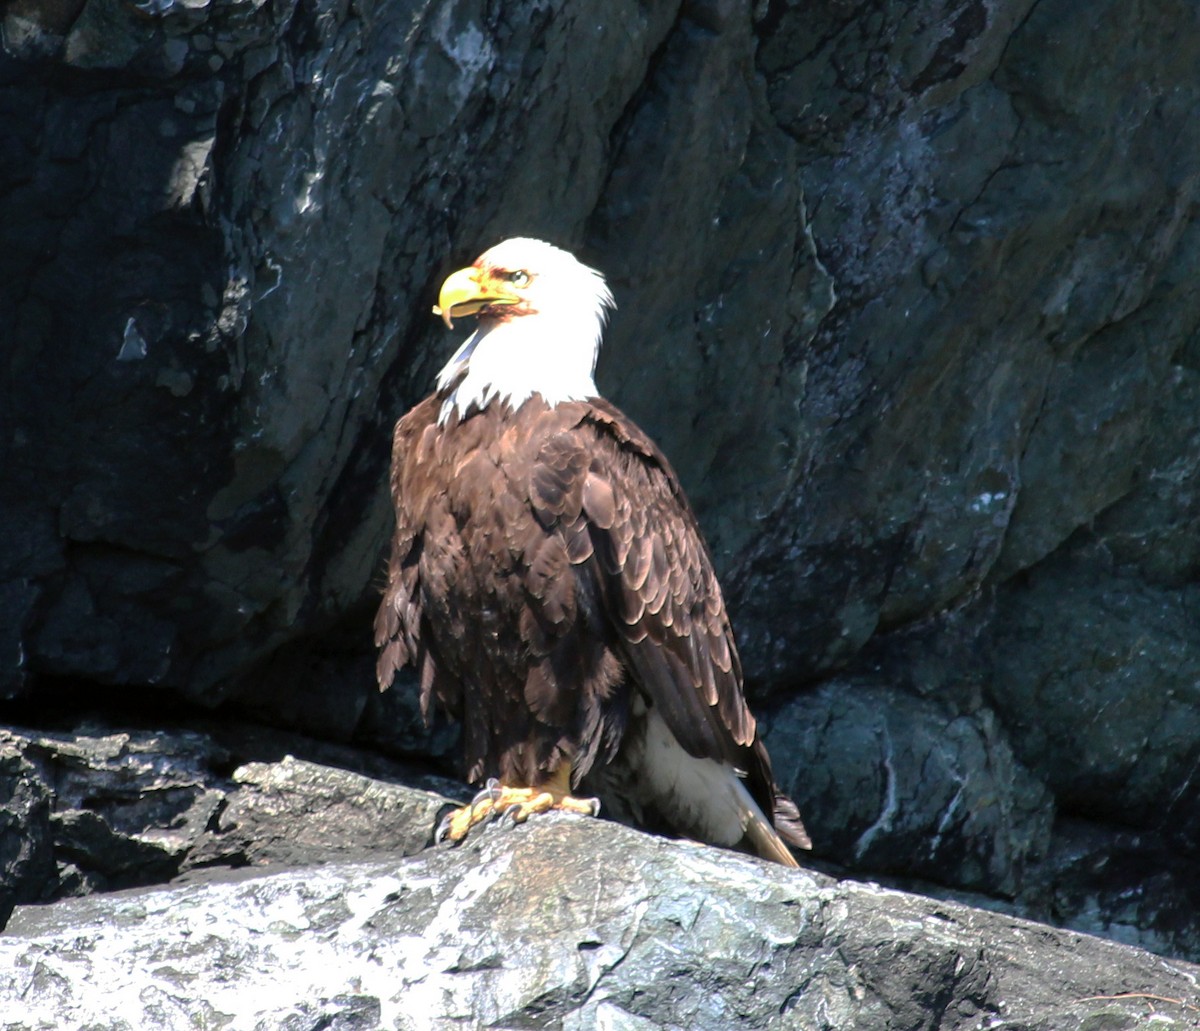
(906, 293)
(566, 923)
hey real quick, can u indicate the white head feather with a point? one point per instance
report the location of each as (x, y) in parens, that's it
(547, 344)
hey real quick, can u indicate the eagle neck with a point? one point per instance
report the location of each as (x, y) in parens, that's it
(507, 362)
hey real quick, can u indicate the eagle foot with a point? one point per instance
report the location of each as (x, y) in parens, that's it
(515, 805)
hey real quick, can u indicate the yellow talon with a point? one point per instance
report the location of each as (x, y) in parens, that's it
(516, 803)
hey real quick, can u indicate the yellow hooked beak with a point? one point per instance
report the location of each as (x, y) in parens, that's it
(468, 291)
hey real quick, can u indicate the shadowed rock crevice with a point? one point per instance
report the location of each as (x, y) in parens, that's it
(100, 809)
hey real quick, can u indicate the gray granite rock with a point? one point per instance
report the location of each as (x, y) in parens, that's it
(566, 923)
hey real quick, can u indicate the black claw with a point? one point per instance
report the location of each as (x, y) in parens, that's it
(489, 793)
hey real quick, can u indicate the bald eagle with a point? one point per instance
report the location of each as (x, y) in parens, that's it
(550, 584)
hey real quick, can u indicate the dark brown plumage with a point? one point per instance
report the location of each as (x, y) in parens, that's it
(550, 584)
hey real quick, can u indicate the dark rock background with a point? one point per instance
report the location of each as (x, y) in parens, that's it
(906, 292)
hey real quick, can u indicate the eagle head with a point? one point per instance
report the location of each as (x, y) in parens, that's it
(541, 315)
(522, 277)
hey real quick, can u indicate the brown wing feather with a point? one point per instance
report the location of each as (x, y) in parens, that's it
(667, 605)
(400, 607)
(399, 634)
(664, 588)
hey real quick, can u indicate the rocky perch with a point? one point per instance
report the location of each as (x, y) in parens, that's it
(564, 922)
(570, 923)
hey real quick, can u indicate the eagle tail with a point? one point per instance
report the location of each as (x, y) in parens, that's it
(788, 823)
(763, 836)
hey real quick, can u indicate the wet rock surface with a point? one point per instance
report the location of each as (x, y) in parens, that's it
(906, 292)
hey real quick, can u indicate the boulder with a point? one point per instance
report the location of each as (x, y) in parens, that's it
(566, 922)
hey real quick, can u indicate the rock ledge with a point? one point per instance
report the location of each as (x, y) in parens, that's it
(565, 923)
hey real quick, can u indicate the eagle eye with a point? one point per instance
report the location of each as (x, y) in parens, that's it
(519, 278)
